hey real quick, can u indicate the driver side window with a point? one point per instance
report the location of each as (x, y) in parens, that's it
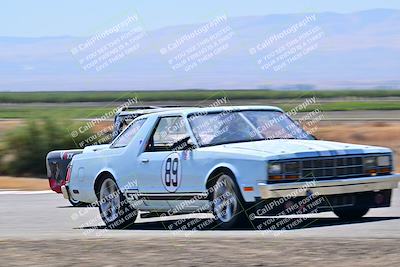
(170, 134)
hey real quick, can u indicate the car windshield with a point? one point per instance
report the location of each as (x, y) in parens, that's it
(243, 126)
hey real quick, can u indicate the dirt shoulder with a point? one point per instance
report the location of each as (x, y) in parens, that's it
(201, 252)
(20, 183)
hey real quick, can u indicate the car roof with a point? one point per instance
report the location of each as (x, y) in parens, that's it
(141, 110)
(201, 110)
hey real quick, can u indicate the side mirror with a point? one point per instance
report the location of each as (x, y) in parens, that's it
(190, 144)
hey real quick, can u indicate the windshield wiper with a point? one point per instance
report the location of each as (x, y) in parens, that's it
(289, 138)
(251, 140)
(234, 141)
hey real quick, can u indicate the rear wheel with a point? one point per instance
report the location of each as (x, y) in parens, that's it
(351, 213)
(114, 209)
(227, 203)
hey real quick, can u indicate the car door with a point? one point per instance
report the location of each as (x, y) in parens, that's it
(161, 170)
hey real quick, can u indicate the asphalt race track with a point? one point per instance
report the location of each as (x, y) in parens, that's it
(41, 228)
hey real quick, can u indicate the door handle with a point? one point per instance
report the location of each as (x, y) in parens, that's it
(145, 160)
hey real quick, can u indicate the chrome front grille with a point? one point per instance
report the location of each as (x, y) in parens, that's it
(327, 167)
(338, 167)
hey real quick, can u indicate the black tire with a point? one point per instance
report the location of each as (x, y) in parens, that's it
(235, 201)
(350, 214)
(120, 214)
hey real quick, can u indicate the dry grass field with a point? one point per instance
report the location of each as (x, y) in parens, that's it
(385, 134)
(6, 126)
(22, 183)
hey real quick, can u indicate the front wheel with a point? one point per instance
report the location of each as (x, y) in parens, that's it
(227, 203)
(114, 209)
(351, 213)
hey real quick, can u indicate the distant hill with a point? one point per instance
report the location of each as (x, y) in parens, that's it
(358, 50)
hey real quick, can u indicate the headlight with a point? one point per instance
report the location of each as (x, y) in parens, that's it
(275, 168)
(283, 171)
(374, 165)
(292, 167)
(383, 161)
(370, 162)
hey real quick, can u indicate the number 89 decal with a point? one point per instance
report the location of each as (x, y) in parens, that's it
(171, 172)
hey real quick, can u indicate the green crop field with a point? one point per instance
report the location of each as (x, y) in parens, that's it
(184, 95)
(28, 104)
(73, 112)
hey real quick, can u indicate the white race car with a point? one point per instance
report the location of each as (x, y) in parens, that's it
(232, 161)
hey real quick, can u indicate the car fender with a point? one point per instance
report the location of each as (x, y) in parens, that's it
(227, 165)
(103, 170)
(247, 196)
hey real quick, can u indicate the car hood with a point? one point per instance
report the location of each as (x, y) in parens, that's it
(298, 148)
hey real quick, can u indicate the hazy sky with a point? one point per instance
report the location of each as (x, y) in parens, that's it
(85, 17)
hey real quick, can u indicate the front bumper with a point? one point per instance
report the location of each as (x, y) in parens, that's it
(328, 187)
(65, 191)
